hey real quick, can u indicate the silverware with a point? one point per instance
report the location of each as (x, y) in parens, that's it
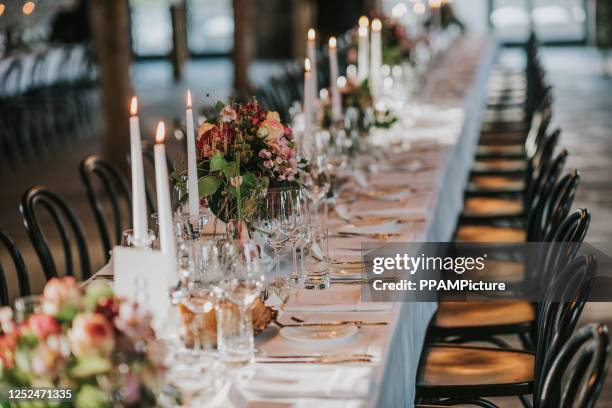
(315, 356)
(322, 360)
(343, 323)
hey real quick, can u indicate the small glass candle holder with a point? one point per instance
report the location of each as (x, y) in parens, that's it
(129, 240)
(194, 225)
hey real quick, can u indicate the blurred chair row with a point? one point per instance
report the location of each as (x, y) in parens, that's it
(518, 194)
(48, 100)
(46, 215)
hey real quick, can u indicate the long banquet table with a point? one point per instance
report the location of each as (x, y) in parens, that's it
(436, 148)
(442, 141)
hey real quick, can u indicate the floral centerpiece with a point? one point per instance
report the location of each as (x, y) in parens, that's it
(242, 152)
(358, 104)
(85, 340)
(397, 45)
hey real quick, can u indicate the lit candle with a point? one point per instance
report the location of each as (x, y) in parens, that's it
(192, 165)
(376, 58)
(312, 56)
(164, 206)
(333, 79)
(363, 48)
(436, 14)
(308, 105)
(139, 202)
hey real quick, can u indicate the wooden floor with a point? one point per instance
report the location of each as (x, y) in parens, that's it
(583, 108)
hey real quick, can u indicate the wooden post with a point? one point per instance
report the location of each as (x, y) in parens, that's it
(180, 52)
(243, 46)
(303, 18)
(110, 24)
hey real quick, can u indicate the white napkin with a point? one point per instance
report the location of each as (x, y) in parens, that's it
(307, 382)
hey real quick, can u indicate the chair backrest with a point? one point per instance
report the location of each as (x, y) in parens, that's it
(68, 227)
(565, 241)
(578, 372)
(116, 192)
(541, 189)
(552, 209)
(539, 164)
(559, 313)
(20, 270)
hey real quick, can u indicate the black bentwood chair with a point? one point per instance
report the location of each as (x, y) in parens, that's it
(67, 225)
(20, 270)
(449, 372)
(461, 322)
(115, 191)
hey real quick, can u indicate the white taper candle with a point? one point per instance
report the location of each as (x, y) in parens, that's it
(312, 56)
(164, 207)
(333, 79)
(376, 59)
(192, 164)
(139, 202)
(363, 50)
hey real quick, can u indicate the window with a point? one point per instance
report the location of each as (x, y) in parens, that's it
(553, 20)
(210, 26)
(151, 28)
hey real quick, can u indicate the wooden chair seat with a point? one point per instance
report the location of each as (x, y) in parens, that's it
(489, 233)
(502, 138)
(493, 183)
(499, 165)
(464, 371)
(492, 207)
(499, 270)
(453, 315)
(503, 127)
(506, 114)
(512, 150)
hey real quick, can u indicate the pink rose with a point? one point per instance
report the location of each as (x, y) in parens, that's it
(59, 294)
(43, 325)
(271, 129)
(91, 334)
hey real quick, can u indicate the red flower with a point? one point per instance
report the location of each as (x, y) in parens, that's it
(108, 307)
(8, 345)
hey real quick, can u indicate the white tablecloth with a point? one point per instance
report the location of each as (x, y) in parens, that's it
(453, 122)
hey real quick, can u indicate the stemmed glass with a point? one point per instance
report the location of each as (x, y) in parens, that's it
(300, 221)
(317, 181)
(242, 285)
(274, 225)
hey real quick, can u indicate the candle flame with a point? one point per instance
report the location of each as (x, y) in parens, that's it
(160, 135)
(363, 31)
(2, 7)
(363, 21)
(134, 106)
(188, 99)
(312, 34)
(435, 4)
(332, 42)
(28, 7)
(307, 65)
(376, 25)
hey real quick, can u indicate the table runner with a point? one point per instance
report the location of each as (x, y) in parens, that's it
(443, 141)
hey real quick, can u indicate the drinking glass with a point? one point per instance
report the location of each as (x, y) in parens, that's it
(317, 265)
(241, 287)
(317, 181)
(274, 224)
(128, 239)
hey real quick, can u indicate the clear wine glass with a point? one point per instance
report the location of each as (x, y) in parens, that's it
(300, 221)
(274, 224)
(317, 181)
